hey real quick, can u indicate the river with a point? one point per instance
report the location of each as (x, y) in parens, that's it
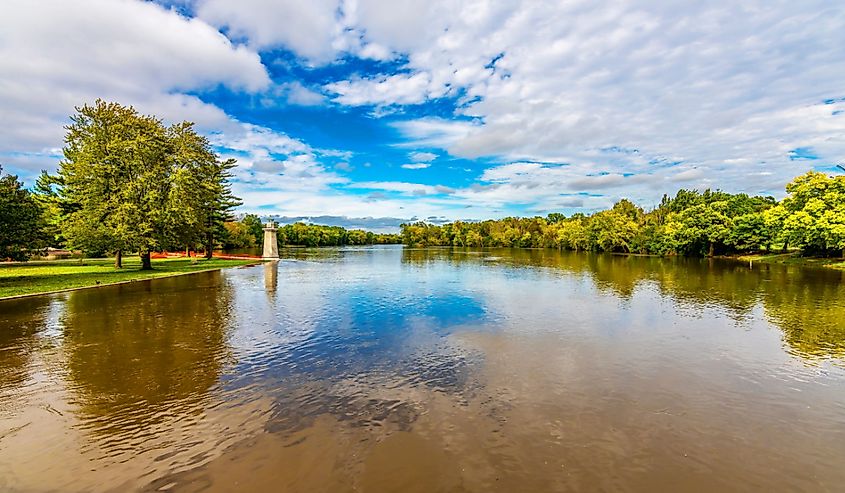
(390, 369)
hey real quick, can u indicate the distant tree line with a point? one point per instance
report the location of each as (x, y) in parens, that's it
(811, 218)
(249, 233)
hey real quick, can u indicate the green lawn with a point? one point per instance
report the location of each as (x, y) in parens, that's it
(42, 277)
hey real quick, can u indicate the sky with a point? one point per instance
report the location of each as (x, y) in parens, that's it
(370, 113)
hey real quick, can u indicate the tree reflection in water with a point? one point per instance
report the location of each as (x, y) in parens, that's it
(807, 304)
(140, 350)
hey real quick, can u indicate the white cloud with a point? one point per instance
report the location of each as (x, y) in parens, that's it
(422, 157)
(434, 132)
(397, 186)
(272, 165)
(416, 165)
(55, 55)
(308, 28)
(729, 88)
(375, 51)
(254, 139)
(386, 90)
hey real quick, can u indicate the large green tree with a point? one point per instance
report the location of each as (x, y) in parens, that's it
(812, 216)
(21, 220)
(129, 183)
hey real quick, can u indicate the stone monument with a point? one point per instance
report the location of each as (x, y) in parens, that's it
(271, 246)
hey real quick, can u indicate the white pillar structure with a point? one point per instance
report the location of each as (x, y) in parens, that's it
(271, 245)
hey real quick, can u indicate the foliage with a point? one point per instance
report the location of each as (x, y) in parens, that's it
(255, 227)
(237, 236)
(314, 235)
(22, 222)
(201, 198)
(812, 217)
(691, 223)
(129, 183)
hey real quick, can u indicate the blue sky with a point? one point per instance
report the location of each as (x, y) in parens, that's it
(370, 113)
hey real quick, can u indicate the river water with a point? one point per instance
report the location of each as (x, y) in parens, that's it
(390, 369)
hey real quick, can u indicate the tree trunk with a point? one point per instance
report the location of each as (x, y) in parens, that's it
(118, 259)
(710, 252)
(146, 262)
(209, 245)
(785, 246)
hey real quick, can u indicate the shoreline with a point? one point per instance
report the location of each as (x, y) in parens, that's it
(791, 258)
(154, 276)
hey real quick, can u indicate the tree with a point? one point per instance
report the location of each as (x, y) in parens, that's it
(812, 217)
(690, 223)
(700, 229)
(750, 232)
(616, 229)
(255, 227)
(128, 183)
(573, 235)
(201, 197)
(45, 194)
(114, 180)
(21, 220)
(237, 236)
(555, 217)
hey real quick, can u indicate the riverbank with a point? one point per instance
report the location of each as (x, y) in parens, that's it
(25, 279)
(793, 258)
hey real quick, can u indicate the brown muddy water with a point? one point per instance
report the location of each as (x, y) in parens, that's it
(383, 369)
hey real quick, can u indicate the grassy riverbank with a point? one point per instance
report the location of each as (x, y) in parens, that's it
(793, 258)
(44, 277)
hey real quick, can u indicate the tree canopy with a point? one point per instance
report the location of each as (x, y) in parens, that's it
(129, 183)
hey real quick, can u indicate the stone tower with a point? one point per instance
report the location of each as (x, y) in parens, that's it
(271, 246)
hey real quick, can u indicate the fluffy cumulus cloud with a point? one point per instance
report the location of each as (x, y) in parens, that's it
(55, 55)
(273, 165)
(309, 28)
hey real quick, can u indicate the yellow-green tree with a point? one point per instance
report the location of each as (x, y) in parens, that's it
(128, 183)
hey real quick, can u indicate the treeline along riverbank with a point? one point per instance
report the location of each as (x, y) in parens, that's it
(249, 233)
(811, 219)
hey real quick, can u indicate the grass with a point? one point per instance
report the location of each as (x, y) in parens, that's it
(43, 277)
(793, 258)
